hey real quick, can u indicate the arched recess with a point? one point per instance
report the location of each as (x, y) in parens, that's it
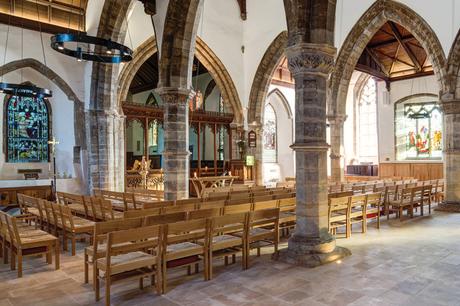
(79, 114)
(373, 19)
(204, 54)
(283, 100)
(263, 76)
(453, 68)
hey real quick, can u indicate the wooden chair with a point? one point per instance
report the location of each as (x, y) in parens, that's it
(4, 238)
(179, 208)
(53, 218)
(203, 213)
(28, 208)
(76, 203)
(391, 194)
(439, 195)
(339, 215)
(238, 208)
(157, 204)
(358, 206)
(340, 194)
(223, 242)
(166, 218)
(179, 248)
(73, 226)
(98, 248)
(30, 242)
(374, 207)
(141, 213)
(126, 258)
(403, 203)
(259, 205)
(288, 216)
(263, 230)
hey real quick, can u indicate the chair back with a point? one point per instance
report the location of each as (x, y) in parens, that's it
(238, 208)
(166, 218)
(265, 204)
(204, 213)
(141, 213)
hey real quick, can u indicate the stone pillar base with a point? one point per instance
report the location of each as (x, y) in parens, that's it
(311, 253)
(449, 207)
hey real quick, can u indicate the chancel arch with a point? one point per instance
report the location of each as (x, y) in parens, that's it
(364, 30)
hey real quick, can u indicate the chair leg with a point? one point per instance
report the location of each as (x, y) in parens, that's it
(164, 277)
(73, 245)
(141, 283)
(57, 254)
(20, 263)
(86, 267)
(97, 284)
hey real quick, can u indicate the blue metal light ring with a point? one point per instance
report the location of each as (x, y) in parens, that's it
(22, 90)
(125, 54)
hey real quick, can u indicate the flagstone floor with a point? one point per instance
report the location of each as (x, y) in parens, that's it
(415, 262)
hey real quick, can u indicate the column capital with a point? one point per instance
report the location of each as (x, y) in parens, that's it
(310, 58)
(172, 95)
(450, 106)
(337, 119)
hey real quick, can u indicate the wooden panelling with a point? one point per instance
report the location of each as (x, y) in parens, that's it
(421, 171)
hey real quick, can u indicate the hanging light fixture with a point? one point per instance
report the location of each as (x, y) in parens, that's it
(24, 90)
(97, 49)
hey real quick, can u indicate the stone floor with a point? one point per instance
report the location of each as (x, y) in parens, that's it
(416, 262)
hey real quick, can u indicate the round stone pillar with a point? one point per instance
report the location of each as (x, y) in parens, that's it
(311, 244)
(337, 145)
(451, 109)
(176, 161)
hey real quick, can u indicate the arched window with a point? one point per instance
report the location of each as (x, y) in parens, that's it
(418, 129)
(368, 140)
(270, 141)
(27, 130)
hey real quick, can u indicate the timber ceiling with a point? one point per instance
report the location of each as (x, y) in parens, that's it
(54, 15)
(394, 54)
(146, 77)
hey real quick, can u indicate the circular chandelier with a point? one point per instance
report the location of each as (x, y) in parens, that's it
(24, 90)
(105, 50)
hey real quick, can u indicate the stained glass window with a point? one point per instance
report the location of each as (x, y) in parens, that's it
(418, 130)
(27, 130)
(269, 133)
(368, 141)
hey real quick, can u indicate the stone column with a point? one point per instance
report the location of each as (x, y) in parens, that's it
(257, 151)
(451, 109)
(176, 162)
(106, 160)
(337, 145)
(311, 244)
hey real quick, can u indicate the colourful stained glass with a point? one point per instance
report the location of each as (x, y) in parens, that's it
(27, 130)
(418, 130)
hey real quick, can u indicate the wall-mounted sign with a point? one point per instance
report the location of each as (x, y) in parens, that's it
(250, 160)
(252, 139)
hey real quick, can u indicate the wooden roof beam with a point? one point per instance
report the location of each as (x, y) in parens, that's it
(243, 11)
(395, 59)
(406, 48)
(377, 61)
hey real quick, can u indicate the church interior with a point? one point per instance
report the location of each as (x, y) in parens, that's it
(229, 152)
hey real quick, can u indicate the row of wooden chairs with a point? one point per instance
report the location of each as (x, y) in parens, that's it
(251, 193)
(142, 247)
(56, 218)
(366, 186)
(20, 239)
(91, 208)
(348, 210)
(409, 198)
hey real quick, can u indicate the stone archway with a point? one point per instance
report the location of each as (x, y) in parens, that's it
(283, 100)
(453, 68)
(204, 54)
(363, 31)
(79, 117)
(105, 120)
(263, 76)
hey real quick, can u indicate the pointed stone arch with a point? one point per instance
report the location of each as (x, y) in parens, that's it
(263, 76)
(453, 68)
(283, 100)
(79, 115)
(363, 31)
(204, 54)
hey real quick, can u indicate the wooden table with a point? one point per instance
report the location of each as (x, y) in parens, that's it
(200, 184)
